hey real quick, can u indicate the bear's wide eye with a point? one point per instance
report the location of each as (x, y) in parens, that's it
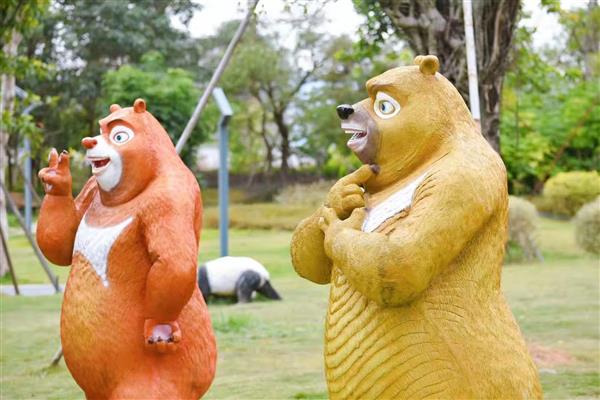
(385, 106)
(121, 135)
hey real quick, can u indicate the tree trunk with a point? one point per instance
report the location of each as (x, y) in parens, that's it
(268, 145)
(284, 133)
(436, 27)
(490, 114)
(269, 152)
(591, 42)
(7, 103)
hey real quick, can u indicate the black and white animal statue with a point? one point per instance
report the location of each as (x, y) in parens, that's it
(239, 277)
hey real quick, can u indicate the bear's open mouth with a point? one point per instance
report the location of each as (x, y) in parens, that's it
(358, 139)
(356, 134)
(99, 163)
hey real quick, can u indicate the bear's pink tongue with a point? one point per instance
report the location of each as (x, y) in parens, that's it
(100, 163)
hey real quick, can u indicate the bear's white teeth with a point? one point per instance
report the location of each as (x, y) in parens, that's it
(356, 134)
(358, 141)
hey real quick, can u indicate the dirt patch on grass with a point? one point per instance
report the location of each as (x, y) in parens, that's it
(546, 357)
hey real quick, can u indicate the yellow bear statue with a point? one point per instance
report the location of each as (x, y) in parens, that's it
(412, 244)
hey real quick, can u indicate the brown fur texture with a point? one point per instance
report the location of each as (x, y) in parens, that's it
(107, 330)
(415, 307)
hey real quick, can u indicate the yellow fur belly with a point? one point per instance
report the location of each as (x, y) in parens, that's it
(450, 343)
(377, 353)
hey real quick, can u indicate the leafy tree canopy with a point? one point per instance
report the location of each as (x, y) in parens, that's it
(169, 93)
(551, 110)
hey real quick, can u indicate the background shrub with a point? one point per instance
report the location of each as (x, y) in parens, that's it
(522, 224)
(565, 193)
(587, 227)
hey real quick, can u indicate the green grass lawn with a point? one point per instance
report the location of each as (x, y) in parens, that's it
(272, 350)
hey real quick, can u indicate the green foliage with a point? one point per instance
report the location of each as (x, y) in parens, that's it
(75, 53)
(584, 36)
(339, 163)
(587, 227)
(266, 96)
(247, 138)
(254, 136)
(21, 126)
(247, 73)
(375, 32)
(19, 17)
(566, 192)
(522, 225)
(342, 81)
(84, 40)
(318, 121)
(293, 101)
(170, 95)
(550, 107)
(106, 34)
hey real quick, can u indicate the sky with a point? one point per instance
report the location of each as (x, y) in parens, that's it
(341, 18)
(339, 14)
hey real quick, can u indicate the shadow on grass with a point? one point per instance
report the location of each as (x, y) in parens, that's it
(310, 396)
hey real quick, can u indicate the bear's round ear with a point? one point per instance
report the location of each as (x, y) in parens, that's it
(139, 106)
(428, 65)
(114, 107)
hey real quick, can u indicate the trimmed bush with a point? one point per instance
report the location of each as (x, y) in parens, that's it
(567, 192)
(587, 227)
(522, 224)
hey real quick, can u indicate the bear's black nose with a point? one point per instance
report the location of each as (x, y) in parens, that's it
(344, 111)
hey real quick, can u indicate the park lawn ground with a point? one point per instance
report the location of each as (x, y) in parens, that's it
(272, 350)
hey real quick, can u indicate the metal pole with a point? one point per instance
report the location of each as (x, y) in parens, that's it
(215, 78)
(226, 113)
(223, 187)
(27, 176)
(35, 195)
(471, 60)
